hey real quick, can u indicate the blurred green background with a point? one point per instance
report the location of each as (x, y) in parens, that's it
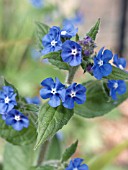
(102, 141)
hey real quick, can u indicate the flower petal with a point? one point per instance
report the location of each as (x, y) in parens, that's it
(54, 101)
(69, 102)
(48, 82)
(45, 93)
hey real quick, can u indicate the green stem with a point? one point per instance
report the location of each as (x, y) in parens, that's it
(71, 74)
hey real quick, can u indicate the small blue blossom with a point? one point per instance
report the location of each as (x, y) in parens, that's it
(53, 90)
(37, 3)
(52, 41)
(119, 62)
(7, 99)
(71, 53)
(116, 86)
(74, 93)
(101, 66)
(17, 120)
(68, 30)
(75, 164)
(34, 100)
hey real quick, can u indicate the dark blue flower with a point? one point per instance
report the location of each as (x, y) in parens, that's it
(7, 99)
(52, 41)
(74, 93)
(116, 87)
(68, 30)
(53, 90)
(101, 65)
(71, 53)
(37, 3)
(75, 164)
(17, 120)
(34, 100)
(119, 62)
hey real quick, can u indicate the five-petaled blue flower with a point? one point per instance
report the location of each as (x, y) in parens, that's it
(7, 99)
(34, 100)
(17, 120)
(74, 93)
(53, 90)
(116, 86)
(119, 62)
(101, 66)
(52, 41)
(68, 30)
(71, 53)
(75, 164)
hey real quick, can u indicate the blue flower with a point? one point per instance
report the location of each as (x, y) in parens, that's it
(53, 90)
(101, 65)
(52, 41)
(71, 53)
(34, 100)
(37, 3)
(119, 62)
(68, 30)
(75, 164)
(74, 93)
(116, 86)
(7, 99)
(17, 120)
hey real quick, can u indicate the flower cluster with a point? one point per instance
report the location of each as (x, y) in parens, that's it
(11, 116)
(57, 92)
(76, 164)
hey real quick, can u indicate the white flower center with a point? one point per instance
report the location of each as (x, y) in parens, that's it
(17, 118)
(63, 32)
(100, 62)
(115, 85)
(73, 94)
(121, 67)
(75, 169)
(53, 91)
(53, 43)
(74, 51)
(6, 100)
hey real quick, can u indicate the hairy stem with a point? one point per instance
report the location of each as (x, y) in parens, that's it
(43, 150)
(71, 74)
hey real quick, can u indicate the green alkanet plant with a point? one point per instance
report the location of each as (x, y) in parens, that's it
(25, 122)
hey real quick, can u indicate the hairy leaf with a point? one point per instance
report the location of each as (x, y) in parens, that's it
(50, 120)
(94, 30)
(69, 152)
(56, 60)
(18, 157)
(117, 74)
(97, 102)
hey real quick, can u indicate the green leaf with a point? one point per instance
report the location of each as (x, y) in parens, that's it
(117, 74)
(45, 167)
(94, 30)
(17, 157)
(50, 120)
(42, 30)
(106, 158)
(97, 102)
(54, 150)
(69, 152)
(1, 81)
(23, 137)
(56, 60)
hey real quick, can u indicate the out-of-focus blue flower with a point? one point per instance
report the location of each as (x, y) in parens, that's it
(116, 87)
(53, 90)
(17, 120)
(119, 62)
(71, 53)
(7, 99)
(37, 3)
(74, 93)
(60, 135)
(34, 100)
(75, 164)
(68, 30)
(52, 41)
(101, 66)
